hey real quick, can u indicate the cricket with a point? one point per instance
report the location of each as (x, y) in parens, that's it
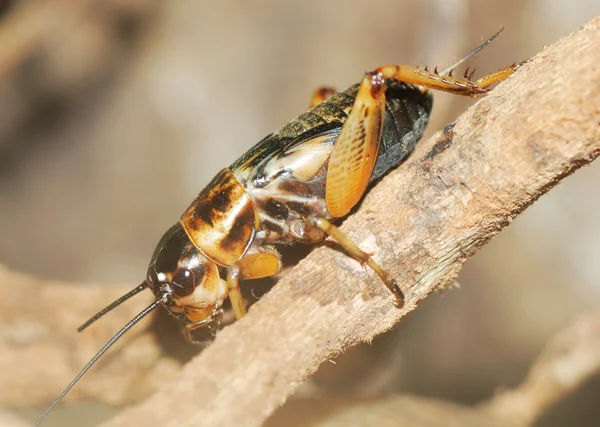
(291, 187)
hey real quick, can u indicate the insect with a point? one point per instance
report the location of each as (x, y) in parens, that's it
(290, 188)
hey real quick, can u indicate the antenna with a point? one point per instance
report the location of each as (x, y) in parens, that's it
(472, 53)
(94, 359)
(108, 308)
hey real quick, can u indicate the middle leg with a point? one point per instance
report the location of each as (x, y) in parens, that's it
(259, 261)
(360, 255)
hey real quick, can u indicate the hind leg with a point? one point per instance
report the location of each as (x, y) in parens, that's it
(321, 94)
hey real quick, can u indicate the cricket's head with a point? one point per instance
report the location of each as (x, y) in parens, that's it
(184, 279)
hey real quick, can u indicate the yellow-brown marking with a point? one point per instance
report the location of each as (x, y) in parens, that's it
(222, 220)
(355, 152)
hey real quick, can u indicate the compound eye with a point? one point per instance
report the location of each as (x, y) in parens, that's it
(184, 282)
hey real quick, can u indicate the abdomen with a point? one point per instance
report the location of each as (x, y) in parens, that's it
(286, 173)
(407, 113)
(406, 116)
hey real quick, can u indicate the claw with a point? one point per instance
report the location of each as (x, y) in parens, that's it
(363, 264)
(466, 75)
(398, 294)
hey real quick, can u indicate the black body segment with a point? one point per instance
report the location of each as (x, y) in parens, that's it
(406, 116)
(407, 111)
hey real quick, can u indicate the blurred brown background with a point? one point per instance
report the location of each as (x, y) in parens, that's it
(115, 114)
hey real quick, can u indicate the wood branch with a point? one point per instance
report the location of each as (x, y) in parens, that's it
(570, 359)
(38, 320)
(423, 221)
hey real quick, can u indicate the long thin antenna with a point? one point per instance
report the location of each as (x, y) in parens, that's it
(472, 53)
(108, 308)
(94, 359)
